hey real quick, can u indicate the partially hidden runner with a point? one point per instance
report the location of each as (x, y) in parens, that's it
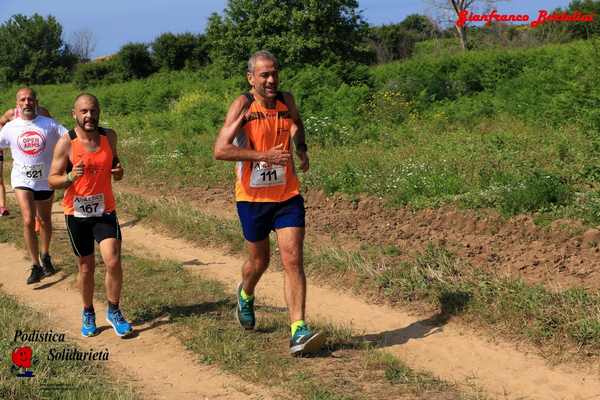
(257, 133)
(85, 162)
(8, 116)
(31, 138)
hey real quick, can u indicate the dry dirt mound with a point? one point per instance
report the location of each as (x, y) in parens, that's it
(561, 255)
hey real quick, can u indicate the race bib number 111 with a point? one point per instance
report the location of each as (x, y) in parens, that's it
(265, 175)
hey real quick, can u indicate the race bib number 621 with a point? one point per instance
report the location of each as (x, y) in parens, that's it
(33, 172)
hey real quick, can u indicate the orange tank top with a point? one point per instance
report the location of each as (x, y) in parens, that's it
(262, 130)
(90, 195)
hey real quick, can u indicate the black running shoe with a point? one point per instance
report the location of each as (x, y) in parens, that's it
(47, 266)
(36, 274)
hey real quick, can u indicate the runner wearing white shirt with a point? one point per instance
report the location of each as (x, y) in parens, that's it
(31, 139)
(8, 116)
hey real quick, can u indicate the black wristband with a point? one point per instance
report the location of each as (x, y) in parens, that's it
(302, 147)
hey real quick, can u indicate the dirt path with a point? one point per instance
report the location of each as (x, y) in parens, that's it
(158, 364)
(449, 352)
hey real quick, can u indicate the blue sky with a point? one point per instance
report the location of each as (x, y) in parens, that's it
(116, 22)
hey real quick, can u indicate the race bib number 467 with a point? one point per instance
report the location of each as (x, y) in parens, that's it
(265, 175)
(88, 206)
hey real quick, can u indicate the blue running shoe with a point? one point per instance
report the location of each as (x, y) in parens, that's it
(244, 311)
(88, 325)
(305, 341)
(117, 321)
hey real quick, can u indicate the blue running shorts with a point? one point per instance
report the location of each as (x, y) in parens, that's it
(258, 219)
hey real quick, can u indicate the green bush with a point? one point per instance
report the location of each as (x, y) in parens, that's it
(94, 73)
(134, 61)
(173, 52)
(536, 191)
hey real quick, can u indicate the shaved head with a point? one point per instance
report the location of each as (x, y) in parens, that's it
(88, 97)
(86, 112)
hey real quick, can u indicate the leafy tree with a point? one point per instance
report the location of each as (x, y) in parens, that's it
(33, 51)
(297, 31)
(420, 24)
(175, 52)
(584, 30)
(397, 41)
(392, 42)
(134, 61)
(96, 72)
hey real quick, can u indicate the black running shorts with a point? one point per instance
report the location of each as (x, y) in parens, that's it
(38, 195)
(83, 231)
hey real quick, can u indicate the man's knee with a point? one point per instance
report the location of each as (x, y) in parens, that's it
(28, 220)
(293, 266)
(112, 263)
(86, 265)
(260, 261)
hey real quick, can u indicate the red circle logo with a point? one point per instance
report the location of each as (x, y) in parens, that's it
(31, 143)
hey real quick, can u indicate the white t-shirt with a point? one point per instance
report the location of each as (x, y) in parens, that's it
(32, 147)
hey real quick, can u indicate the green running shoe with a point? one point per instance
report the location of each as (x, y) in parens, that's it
(306, 341)
(244, 310)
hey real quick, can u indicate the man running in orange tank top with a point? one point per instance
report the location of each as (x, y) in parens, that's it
(257, 134)
(85, 162)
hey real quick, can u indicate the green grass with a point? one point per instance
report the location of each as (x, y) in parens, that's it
(201, 311)
(514, 130)
(556, 322)
(79, 379)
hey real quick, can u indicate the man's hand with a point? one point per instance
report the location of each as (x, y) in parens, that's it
(78, 170)
(117, 172)
(276, 155)
(304, 164)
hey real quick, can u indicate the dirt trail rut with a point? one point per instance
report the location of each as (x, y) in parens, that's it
(450, 352)
(159, 365)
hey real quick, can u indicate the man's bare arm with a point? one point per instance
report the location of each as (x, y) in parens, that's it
(224, 148)
(297, 132)
(117, 170)
(57, 178)
(297, 129)
(6, 117)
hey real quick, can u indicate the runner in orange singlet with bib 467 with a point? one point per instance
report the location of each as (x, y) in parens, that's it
(85, 162)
